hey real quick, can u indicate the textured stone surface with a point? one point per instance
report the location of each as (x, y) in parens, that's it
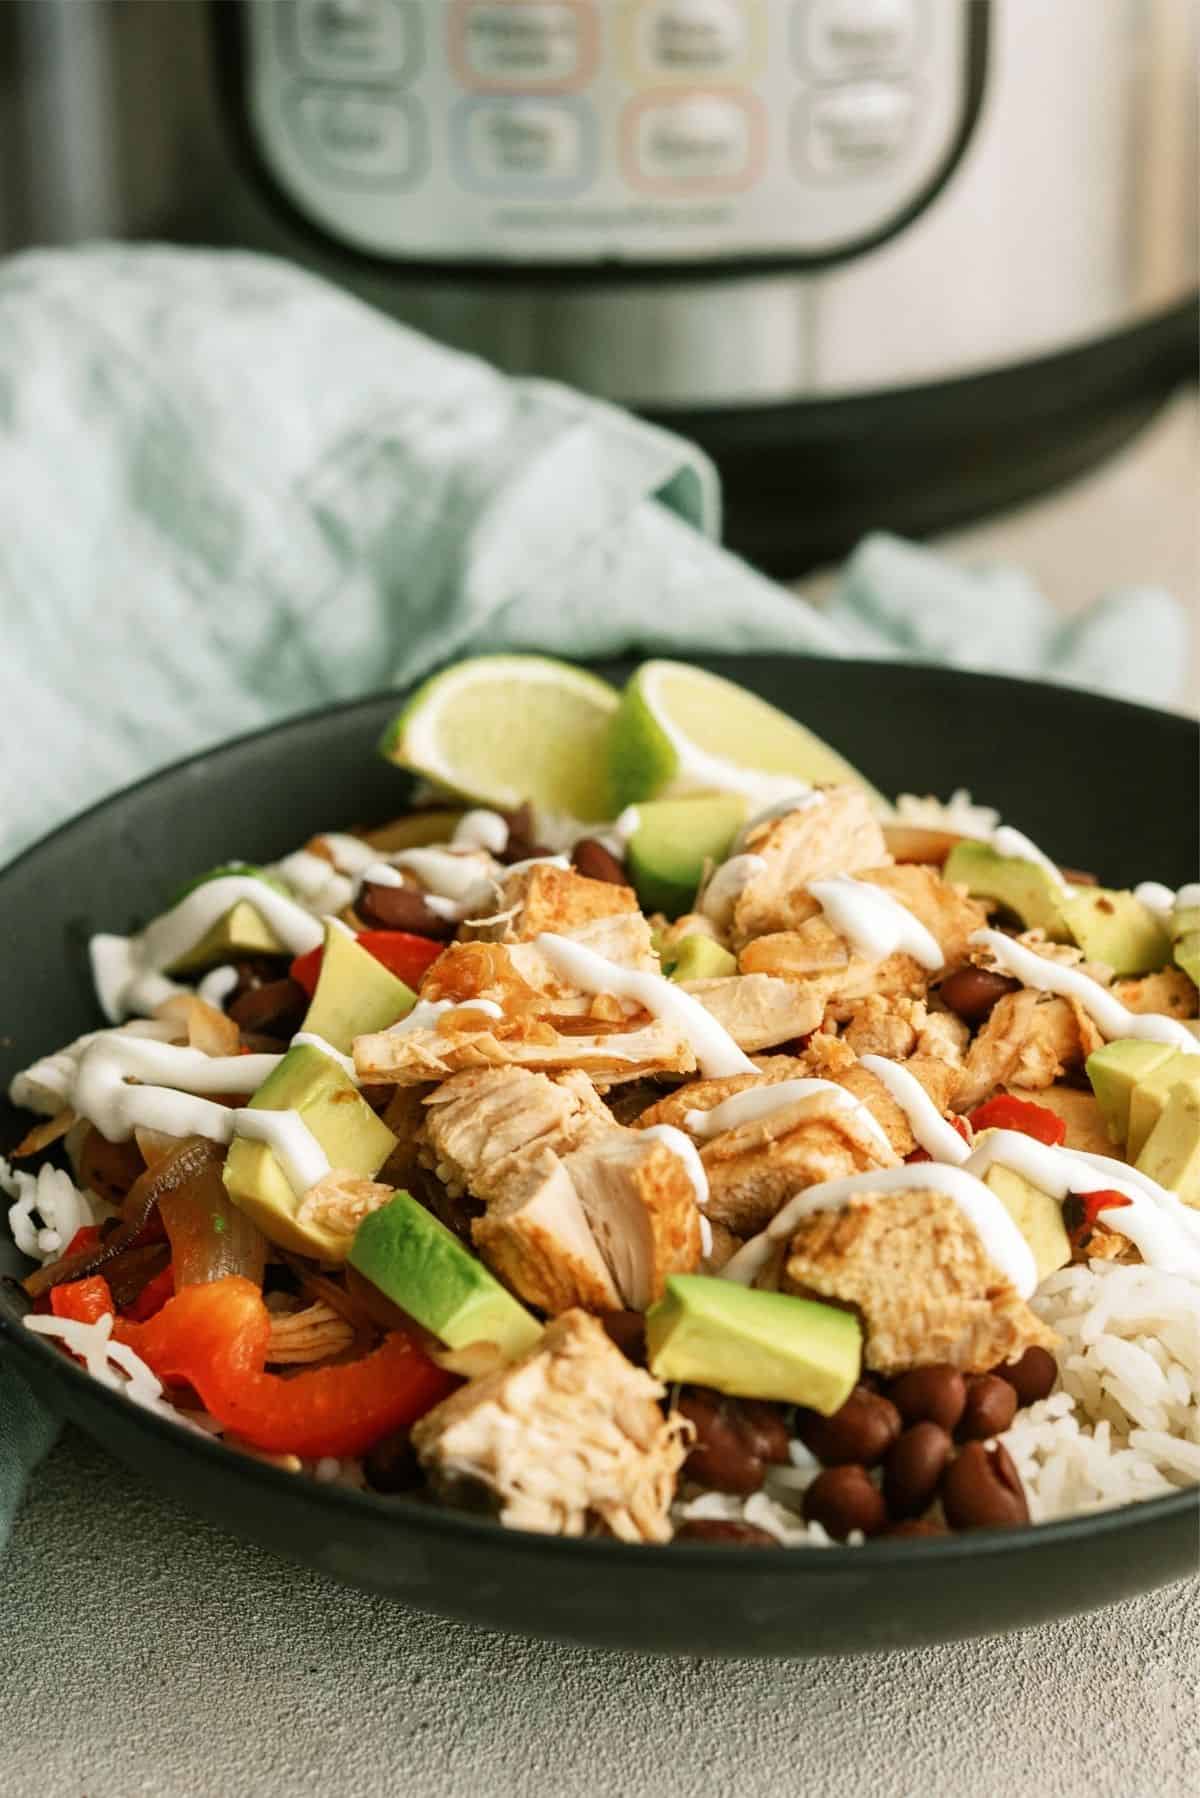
(142, 1652)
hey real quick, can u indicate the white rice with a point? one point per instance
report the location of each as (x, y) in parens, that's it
(1125, 1422)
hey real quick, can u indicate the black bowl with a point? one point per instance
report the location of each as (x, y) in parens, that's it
(1104, 785)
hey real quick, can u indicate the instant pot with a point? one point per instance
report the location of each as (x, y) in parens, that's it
(892, 262)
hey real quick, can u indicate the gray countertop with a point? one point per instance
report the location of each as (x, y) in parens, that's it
(144, 1652)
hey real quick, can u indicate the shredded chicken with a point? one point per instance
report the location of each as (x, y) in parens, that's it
(916, 1272)
(1030, 1039)
(567, 1439)
(545, 897)
(317, 1333)
(878, 1026)
(341, 1200)
(839, 836)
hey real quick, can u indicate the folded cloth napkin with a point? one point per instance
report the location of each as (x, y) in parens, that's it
(229, 492)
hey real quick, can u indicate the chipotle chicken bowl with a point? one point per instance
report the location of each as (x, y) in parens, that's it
(686, 1157)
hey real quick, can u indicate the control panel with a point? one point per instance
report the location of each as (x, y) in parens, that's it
(585, 132)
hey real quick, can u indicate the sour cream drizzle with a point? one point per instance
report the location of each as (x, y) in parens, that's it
(458, 883)
(318, 1042)
(125, 969)
(1111, 1018)
(715, 1050)
(481, 830)
(762, 1101)
(1001, 1240)
(101, 1093)
(933, 1133)
(873, 922)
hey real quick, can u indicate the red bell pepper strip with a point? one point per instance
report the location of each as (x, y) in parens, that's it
(403, 954)
(215, 1337)
(957, 1124)
(84, 1301)
(1006, 1113)
(153, 1296)
(86, 1237)
(1081, 1212)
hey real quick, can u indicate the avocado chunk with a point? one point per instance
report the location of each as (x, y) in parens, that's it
(754, 1344)
(1115, 1071)
(242, 931)
(1172, 1151)
(1025, 888)
(423, 1267)
(673, 840)
(699, 958)
(1117, 929)
(1152, 1094)
(311, 1083)
(354, 992)
(1037, 1215)
(1185, 940)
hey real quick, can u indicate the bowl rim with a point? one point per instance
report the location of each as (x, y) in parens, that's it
(48, 1359)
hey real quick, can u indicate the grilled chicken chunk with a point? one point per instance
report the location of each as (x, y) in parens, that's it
(568, 1438)
(535, 1236)
(1169, 991)
(703, 1095)
(638, 1198)
(757, 1011)
(1030, 1039)
(840, 835)
(580, 1211)
(754, 1169)
(608, 1057)
(916, 1272)
(545, 897)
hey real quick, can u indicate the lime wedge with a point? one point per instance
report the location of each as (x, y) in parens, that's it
(680, 730)
(503, 729)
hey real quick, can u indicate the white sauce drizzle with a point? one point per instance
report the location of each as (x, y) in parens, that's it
(350, 854)
(715, 1050)
(128, 970)
(1164, 1230)
(382, 874)
(727, 885)
(458, 883)
(764, 1100)
(1111, 1018)
(537, 861)
(317, 883)
(933, 1133)
(217, 985)
(873, 922)
(171, 1078)
(1188, 895)
(481, 830)
(290, 1140)
(1001, 1240)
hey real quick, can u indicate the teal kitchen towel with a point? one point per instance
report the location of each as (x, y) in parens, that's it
(229, 492)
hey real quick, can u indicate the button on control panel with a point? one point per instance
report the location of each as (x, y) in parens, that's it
(580, 132)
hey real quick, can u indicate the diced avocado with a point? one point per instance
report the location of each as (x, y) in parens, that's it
(416, 831)
(247, 871)
(699, 958)
(354, 992)
(754, 1344)
(423, 1267)
(242, 931)
(311, 1083)
(1115, 1070)
(673, 840)
(1172, 1151)
(1025, 888)
(1118, 929)
(1150, 1096)
(1037, 1215)
(1185, 940)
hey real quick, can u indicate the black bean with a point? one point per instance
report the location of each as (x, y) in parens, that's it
(724, 1529)
(990, 1408)
(972, 992)
(981, 1489)
(734, 1440)
(842, 1499)
(391, 1465)
(862, 1430)
(914, 1465)
(1032, 1377)
(275, 1008)
(401, 908)
(628, 1330)
(934, 1394)
(591, 858)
